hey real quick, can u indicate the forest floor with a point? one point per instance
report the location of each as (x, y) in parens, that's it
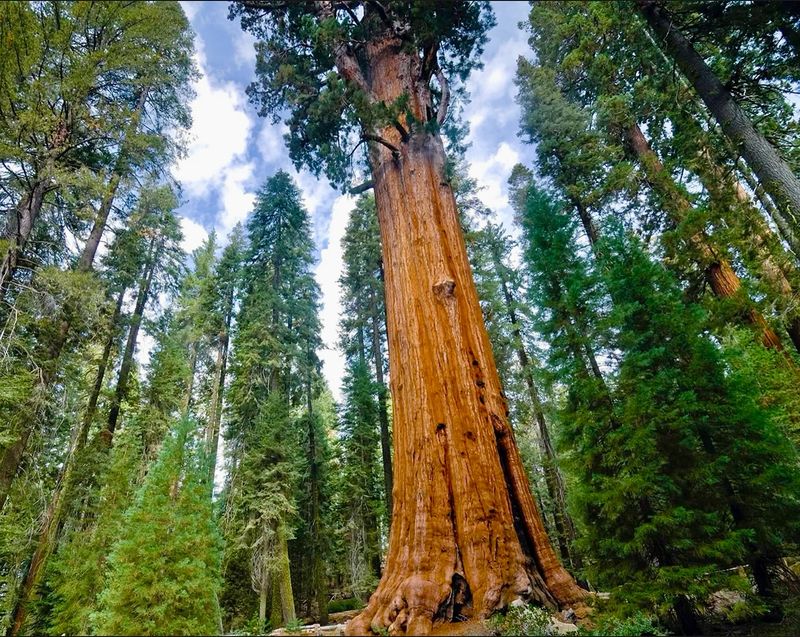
(788, 627)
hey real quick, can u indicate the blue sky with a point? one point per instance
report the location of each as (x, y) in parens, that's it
(232, 151)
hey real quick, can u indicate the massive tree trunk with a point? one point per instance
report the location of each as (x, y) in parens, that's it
(383, 415)
(770, 168)
(466, 537)
(720, 276)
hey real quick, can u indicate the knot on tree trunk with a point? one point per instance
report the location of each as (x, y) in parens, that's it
(444, 289)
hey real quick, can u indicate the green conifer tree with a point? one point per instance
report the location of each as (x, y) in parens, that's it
(163, 571)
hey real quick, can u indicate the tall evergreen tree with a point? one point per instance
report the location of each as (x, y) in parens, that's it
(275, 372)
(387, 73)
(164, 568)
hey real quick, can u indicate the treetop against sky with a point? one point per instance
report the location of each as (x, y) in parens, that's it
(232, 151)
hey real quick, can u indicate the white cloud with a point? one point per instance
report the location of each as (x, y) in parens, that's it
(193, 234)
(190, 9)
(216, 159)
(244, 52)
(220, 131)
(271, 146)
(492, 175)
(315, 191)
(237, 199)
(328, 271)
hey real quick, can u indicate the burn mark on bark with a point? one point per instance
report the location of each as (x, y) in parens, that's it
(445, 289)
(538, 590)
(460, 595)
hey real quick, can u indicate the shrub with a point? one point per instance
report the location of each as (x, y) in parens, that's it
(521, 620)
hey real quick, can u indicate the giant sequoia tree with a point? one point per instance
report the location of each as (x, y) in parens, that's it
(467, 537)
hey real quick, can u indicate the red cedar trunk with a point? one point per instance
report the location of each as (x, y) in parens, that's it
(720, 276)
(466, 536)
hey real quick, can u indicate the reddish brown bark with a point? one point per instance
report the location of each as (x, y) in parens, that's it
(720, 276)
(466, 536)
(725, 189)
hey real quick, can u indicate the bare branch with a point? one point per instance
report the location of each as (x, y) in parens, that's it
(400, 129)
(445, 101)
(357, 190)
(380, 140)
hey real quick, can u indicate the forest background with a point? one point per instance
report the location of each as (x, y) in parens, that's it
(194, 382)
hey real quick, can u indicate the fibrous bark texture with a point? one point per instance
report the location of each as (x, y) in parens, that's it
(723, 281)
(466, 535)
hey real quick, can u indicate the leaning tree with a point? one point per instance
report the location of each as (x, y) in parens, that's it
(466, 536)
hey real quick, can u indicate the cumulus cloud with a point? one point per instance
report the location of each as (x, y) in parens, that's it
(328, 271)
(219, 136)
(492, 174)
(236, 197)
(216, 162)
(316, 192)
(190, 9)
(193, 234)
(244, 51)
(271, 146)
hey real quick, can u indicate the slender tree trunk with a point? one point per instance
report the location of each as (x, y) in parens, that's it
(383, 415)
(317, 568)
(53, 520)
(130, 346)
(215, 417)
(770, 168)
(555, 483)
(93, 241)
(784, 225)
(466, 536)
(723, 280)
(26, 213)
(724, 188)
(284, 578)
(91, 407)
(187, 396)
(262, 604)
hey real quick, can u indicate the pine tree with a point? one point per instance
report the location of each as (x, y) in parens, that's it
(163, 571)
(363, 328)
(359, 478)
(275, 371)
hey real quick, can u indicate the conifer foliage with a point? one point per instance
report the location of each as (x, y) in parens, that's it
(600, 395)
